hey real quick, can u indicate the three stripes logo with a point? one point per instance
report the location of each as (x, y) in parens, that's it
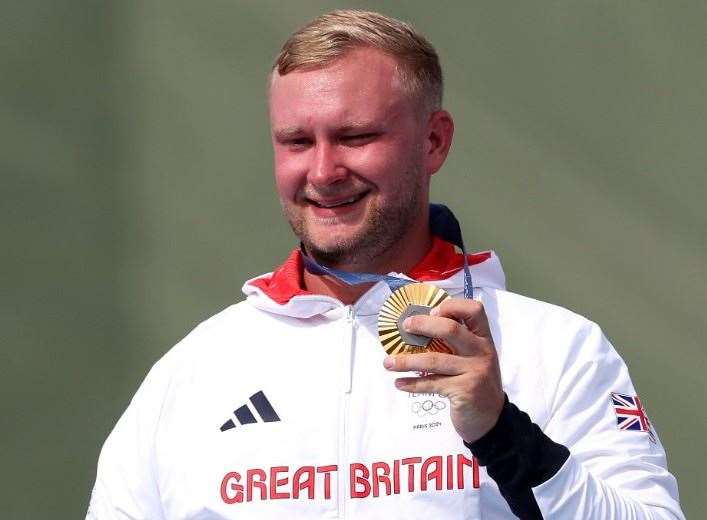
(244, 415)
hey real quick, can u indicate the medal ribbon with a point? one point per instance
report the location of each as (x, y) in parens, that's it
(443, 223)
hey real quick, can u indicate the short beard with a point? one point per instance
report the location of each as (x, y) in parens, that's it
(384, 228)
(361, 248)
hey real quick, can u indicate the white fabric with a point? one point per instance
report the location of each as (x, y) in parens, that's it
(320, 365)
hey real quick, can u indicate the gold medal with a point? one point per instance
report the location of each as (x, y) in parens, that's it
(409, 300)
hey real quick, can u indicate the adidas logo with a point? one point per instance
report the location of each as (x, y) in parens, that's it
(245, 416)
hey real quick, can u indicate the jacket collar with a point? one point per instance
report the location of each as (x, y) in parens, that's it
(282, 291)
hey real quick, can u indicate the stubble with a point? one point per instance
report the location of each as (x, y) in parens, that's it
(383, 228)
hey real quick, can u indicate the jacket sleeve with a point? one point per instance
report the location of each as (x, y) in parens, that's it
(580, 465)
(126, 485)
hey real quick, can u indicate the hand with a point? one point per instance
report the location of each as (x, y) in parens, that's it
(470, 377)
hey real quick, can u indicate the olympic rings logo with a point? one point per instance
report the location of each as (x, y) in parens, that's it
(428, 407)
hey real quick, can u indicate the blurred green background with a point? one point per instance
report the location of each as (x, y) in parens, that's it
(137, 195)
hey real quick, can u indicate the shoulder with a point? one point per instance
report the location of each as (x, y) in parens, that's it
(546, 350)
(205, 344)
(517, 314)
(225, 330)
(552, 334)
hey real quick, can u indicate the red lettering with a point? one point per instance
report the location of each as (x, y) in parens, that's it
(396, 476)
(355, 479)
(380, 471)
(435, 474)
(410, 463)
(231, 490)
(307, 484)
(275, 482)
(379, 479)
(450, 472)
(251, 483)
(327, 478)
(474, 465)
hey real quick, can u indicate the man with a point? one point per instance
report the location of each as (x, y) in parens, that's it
(286, 406)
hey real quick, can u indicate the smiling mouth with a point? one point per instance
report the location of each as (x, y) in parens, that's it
(338, 202)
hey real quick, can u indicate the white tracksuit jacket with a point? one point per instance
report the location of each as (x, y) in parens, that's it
(279, 407)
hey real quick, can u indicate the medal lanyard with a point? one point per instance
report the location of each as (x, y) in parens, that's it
(443, 223)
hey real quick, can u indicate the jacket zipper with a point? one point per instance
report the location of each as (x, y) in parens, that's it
(347, 376)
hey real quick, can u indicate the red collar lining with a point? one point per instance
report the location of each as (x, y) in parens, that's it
(440, 262)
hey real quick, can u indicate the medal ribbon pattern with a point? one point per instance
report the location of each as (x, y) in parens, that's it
(443, 223)
(408, 296)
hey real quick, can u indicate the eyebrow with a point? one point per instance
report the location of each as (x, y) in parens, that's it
(290, 132)
(357, 126)
(283, 134)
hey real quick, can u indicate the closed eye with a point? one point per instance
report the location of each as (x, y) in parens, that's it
(358, 139)
(297, 143)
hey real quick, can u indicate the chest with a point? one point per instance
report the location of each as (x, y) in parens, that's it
(307, 423)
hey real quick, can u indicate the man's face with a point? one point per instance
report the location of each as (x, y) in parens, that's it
(349, 152)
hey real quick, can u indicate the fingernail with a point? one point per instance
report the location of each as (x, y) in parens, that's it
(399, 383)
(434, 311)
(388, 362)
(407, 323)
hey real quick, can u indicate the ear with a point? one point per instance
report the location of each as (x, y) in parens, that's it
(438, 139)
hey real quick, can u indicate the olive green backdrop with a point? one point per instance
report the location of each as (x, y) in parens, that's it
(136, 195)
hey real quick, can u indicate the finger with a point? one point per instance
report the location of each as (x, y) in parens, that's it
(469, 312)
(434, 384)
(456, 335)
(429, 362)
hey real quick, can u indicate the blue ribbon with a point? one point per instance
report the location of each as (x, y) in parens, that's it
(443, 223)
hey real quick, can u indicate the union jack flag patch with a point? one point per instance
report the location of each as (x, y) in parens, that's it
(630, 414)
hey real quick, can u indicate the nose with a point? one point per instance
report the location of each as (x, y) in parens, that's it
(325, 167)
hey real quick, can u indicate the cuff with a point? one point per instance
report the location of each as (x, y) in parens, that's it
(518, 456)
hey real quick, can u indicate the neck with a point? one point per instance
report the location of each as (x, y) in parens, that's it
(401, 258)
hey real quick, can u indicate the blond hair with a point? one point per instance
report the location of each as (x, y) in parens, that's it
(331, 35)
